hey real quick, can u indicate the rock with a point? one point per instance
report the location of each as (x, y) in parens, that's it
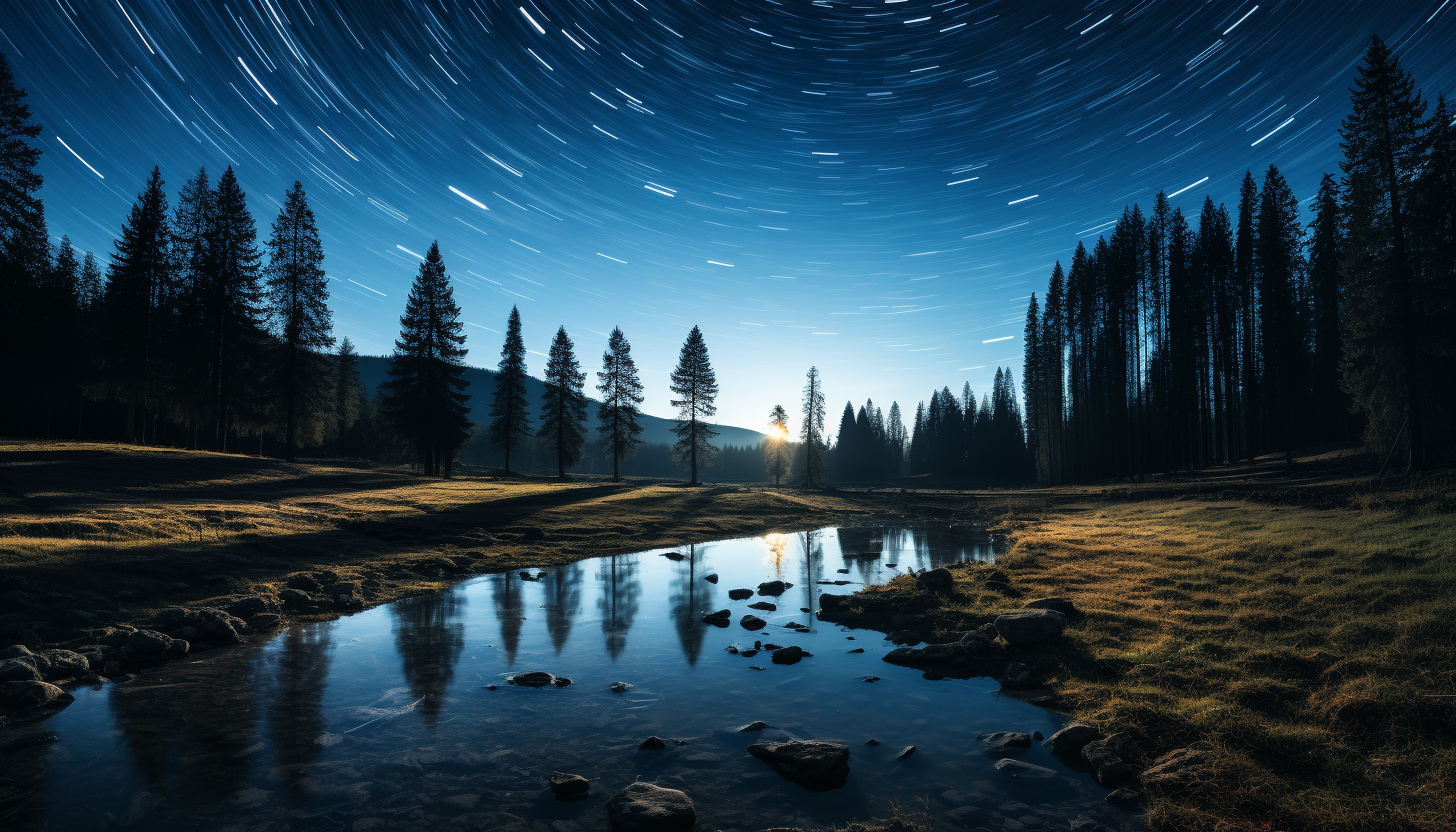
(1175, 770)
(178, 648)
(15, 651)
(829, 601)
(1069, 742)
(719, 618)
(248, 607)
(756, 725)
(1125, 798)
(1018, 675)
(32, 694)
(937, 580)
(739, 594)
(675, 556)
(643, 807)
(788, 655)
(1017, 770)
(16, 670)
(996, 576)
(1030, 627)
(907, 638)
(652, 744)
(773, 587)
(872, 741)
(29, 740)
(62, 664)
(1108, 758)
(752, 622)
(763, 605)
(537, 679)
(979, 642)
(754, 667)
(815, 765)
(147, 642)
(1003, 743)
(620, 687)
(569, 786)
(294, 598)
(930, 654)
(872, 678)
(211, 624)
(905, 752)
(712, 579)
(855, 650)
(1061, 605)
(302, 581)
(265, 621)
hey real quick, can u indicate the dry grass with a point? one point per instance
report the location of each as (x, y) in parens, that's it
(1313, 649)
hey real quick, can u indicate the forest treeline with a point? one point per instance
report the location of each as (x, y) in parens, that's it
(1177, 343)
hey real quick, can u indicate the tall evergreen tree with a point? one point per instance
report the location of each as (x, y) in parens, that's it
(298, 294)
(194, 322)
(1246, 279)
(1053, 369)
(811, 434)
(24, 249)
(897, 440)
(348, 391)
(563, 407)
(621, 389)
(1382, 316)
(776, 446)
(695, 387)
(1328, 403)
(510, 424)
(846, 445)
(1281, 345)
(1032, 374)
(237, 353)
(424, 397)
(134, 308)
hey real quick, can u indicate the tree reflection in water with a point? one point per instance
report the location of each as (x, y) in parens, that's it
(429, 636)
(505, 592)
(619, 600)
(690, 598)
(563, 602)
(295, 717)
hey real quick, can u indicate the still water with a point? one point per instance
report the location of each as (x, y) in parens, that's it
(385, 720)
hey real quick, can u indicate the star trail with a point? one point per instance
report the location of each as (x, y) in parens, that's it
(874, 188)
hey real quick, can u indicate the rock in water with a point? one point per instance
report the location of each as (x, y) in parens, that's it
(31, 694)
(739, 594)
(1068, 742)
(712, 579)
(752, 622)
(538, 679)
(652, 744)
(1031, 627)
(788, 655)
(1108, 767)
(569, 786)
(756, 725)
(905, 752)
(620, 687)
(763, 605)
(1017, 770)
(643, 807)
(930, 654)
(773, 587)
(816, 766)
(1003, 743)
(719, 618)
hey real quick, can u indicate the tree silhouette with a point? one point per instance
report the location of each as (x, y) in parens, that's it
(510, 425)
(696, 387)
(563, 407)
(298, 298)
(348, 390)
(811, 434)
(24, 248)
(776, 446)
(424, 397)
(237, 352)
(621, 390)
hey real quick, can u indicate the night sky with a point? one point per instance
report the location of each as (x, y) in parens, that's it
(872, 187)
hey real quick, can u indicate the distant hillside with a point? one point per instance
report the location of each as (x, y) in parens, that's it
(373, 369)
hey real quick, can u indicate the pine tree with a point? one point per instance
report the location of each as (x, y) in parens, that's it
(298, 294)
(195, 321)
(621, 389)
(1327, 400)
(510, 424)
(24, 248)
(89, 287)
(846, 445)
(776, 446)
(1383, 320)
(563, 407)
(424, 397)
(1246, 281)
(237, 351)
(811, 435)
(1279, 248)
(134, 307)
(1033, 376)
(897, 440)
(1053, 368)
(348, 394)
(696, 387)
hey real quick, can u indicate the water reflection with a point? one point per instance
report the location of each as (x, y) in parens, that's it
(618, 604)
(563, 602)
(429, 635)
(505, 592)
(296, 717)
(689, 599)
